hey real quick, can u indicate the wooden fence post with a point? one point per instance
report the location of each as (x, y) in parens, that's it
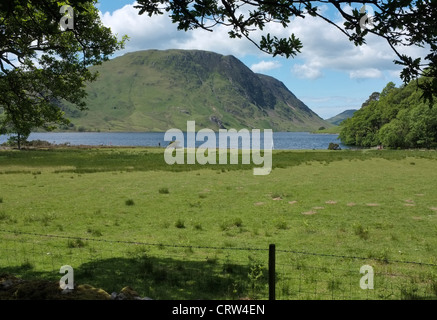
(272, 272)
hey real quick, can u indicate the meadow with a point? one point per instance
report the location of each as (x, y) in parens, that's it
(123, 217)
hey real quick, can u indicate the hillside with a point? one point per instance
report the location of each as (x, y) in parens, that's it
(156, 90)
(339, 118)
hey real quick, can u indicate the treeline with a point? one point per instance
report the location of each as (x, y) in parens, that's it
(395, 118)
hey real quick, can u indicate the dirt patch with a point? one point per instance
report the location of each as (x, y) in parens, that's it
(309, 212)
(433, 208)
(318, 208)
(372, 204)
(351, 204)
(409, 204)
(277, 198)
(259, 203)
(331, 202)
(292, 202)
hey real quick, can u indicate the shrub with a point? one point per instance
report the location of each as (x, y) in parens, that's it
(282, 224)
(360, 231)
(224, 226)
(76, 243)
(238, 222)
(129, 202)
(334, 146)
(3, 216)
(180, 224)
(198, 226)
(38, 143)
(164, 191)
(95, 232)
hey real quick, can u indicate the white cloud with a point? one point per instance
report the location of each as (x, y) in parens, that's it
(307, 71)
(263, 66)
(365, 73)
(144, 32)
(158, 32)
(324, 47)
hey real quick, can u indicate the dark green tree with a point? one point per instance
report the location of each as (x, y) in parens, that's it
(45, 52)
(399, 119)
(400, 23)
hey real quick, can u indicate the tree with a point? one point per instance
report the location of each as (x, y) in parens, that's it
(405, 22)
(399, 119)
(46, 48)
(373, 97)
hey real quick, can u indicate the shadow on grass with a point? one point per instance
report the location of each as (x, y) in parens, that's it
(163, 278)
(103, 160)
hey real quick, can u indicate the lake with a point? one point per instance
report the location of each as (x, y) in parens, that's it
(282, 140)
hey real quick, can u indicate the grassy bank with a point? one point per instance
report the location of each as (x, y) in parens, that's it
(122, 216)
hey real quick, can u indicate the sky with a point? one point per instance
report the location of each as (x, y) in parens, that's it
(330, 74)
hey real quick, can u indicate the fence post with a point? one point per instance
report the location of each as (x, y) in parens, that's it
(272, 272)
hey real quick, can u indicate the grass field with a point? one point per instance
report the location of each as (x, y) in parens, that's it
(122, 216)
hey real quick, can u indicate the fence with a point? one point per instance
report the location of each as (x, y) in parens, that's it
(175, 271)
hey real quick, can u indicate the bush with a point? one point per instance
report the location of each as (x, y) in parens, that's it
(3, 216)
(360, 231)
(164, 191)
(238, 222)
(198, 226)
(95, 232)
(38, 143)
(180, 224)
(76, 243)
(129, 202)
(334, 146)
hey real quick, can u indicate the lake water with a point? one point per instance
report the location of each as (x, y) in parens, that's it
(282, 140)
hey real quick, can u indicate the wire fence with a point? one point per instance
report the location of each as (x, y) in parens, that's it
(179, 271)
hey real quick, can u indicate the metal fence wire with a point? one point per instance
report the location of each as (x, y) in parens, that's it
(182, 271)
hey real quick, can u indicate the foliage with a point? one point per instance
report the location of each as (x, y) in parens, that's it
(399, 119)
(400, 23)
(334, 146)
(41, 63)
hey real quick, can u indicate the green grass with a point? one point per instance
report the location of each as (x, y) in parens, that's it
(178, 240)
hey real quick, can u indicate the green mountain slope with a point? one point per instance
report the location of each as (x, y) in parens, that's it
(157, 90)
(339, 118)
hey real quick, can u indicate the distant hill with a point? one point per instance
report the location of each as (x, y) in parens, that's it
(339, 118)
(156, 90)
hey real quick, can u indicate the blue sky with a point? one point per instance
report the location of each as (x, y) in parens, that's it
(330, 74)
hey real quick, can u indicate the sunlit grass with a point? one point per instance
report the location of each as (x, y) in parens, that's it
(375, 205)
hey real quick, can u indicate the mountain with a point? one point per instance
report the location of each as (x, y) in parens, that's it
(156, 90)
(339, 118)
